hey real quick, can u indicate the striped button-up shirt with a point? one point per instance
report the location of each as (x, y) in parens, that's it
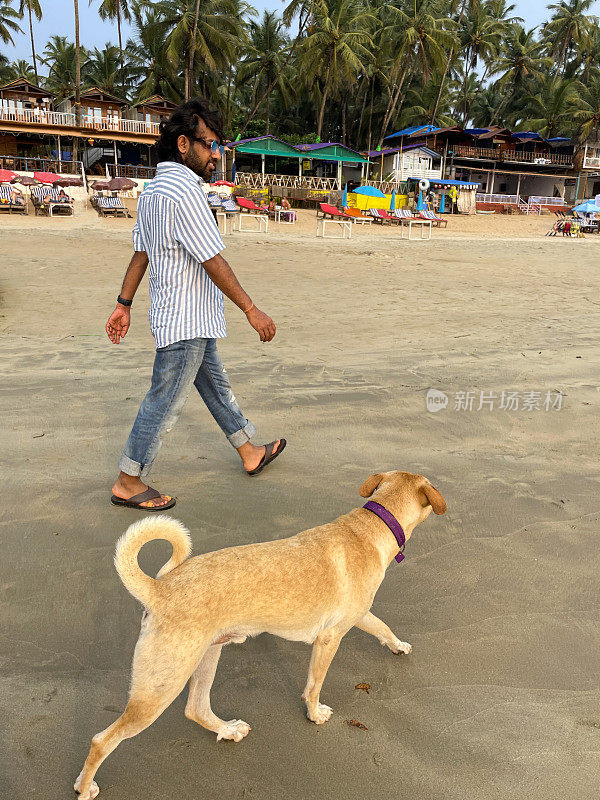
(177, 230)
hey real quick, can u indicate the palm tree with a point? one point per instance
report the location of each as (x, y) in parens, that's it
(148, 60)
(77, 80)
(263, 63)
(60, 58)
(419, 40)
(587, 115)
(8, 15)
(211, 36)
(338, 46)
(23, 69)
(119, 10)
(567, 28)
(102, 69)
(549, 106)
(6, 70)
(33, 7)
(519, 62)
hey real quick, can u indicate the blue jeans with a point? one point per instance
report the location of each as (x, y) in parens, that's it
(176, 368)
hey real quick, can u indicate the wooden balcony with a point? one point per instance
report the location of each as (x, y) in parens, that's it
(58, 123)
(513, 156)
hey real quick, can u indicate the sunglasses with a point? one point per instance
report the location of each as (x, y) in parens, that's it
(214, 145)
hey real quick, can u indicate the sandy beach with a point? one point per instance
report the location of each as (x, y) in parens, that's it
(499, 598)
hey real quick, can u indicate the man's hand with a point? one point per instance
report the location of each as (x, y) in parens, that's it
(118, 324)
(262, 323)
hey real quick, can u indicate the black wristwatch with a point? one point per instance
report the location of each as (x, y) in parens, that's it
(124, 302)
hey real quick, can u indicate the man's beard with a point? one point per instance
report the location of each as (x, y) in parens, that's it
(201, 168)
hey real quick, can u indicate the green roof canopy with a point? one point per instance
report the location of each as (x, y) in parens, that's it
(335, 152)
(268, 146)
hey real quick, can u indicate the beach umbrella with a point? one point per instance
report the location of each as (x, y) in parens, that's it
(26, 180)
(69, 180)
(7, 175)
(369, 191)
(46, 177)
(589, 207)
(223, 183)
(393, 201)
(443, 203)
(420, 204)
(99, 185)
(345, 197)
(120, 184)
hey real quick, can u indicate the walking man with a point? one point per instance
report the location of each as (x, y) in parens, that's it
(176, 236)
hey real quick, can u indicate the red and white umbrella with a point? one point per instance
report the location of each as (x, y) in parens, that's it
(7, 175)
(46, 177)
(223, 183)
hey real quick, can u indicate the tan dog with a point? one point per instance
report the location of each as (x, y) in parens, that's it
(312, 588)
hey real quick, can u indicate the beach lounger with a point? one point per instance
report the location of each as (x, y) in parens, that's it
(435, 220)
(404, 213)
(357, 216)
(257, 213)
(53, 205)
(110, 206)
(333, 214)
(379, 216)
(8, 205)
(227, 210)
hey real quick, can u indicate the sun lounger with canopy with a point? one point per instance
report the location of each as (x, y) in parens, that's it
(109, 206)
(8, 204)
(51, 206)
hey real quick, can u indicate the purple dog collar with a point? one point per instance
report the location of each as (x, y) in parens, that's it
(392, 523)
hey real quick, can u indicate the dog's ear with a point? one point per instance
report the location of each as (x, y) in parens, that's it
(369, 486)
(434, 498)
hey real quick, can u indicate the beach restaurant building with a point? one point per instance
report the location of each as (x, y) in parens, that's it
(38, 134)
(510, 166)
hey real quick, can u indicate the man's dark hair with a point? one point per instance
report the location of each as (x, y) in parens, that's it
(184, 122)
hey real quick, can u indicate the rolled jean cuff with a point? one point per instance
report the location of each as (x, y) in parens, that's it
(130, 467)
(242, 436)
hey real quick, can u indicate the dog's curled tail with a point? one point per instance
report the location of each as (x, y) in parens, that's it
(142, 586)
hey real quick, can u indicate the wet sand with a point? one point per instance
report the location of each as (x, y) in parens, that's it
(499, 598)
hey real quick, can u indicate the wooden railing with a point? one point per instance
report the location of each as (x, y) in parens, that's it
(130, 171)
(489, 153)
(37, 116)
(118, 124)
(257, 180)
(520, 156)
(26, 164)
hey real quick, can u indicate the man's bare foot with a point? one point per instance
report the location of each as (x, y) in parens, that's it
(127, 486)
(252, 454)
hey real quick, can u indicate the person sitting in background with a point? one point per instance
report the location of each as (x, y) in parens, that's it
(16, 198)
(272, 206)
(289, 214)
(63, 197)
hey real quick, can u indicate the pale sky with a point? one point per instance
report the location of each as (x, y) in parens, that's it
(58, 15)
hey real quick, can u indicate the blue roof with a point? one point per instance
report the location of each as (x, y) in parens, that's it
(476, 130)
(414, 129)
(526, 135)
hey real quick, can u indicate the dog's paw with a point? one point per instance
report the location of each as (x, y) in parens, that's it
(92, 792)
(321, 715)
(235, 729)
(400, 647)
